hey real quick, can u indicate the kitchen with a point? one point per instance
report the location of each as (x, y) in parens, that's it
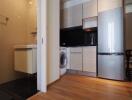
(83, 49)
(94, 53)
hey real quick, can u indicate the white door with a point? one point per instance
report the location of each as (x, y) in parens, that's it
(41, 45)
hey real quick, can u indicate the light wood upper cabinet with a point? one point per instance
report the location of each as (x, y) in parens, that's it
(65, 18)
(90, 9)
(76, 15)
(72, 16)
(105, 5)
(89, 59)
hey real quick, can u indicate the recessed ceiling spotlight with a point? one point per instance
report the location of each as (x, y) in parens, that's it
(30, 2)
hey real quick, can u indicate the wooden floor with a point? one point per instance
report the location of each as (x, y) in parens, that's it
(75, 87)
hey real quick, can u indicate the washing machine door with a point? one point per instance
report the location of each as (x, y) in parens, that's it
(63, 60)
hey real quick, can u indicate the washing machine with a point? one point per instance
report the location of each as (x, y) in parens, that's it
(64, 60)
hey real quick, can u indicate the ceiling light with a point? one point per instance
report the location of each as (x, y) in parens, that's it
(30, 2)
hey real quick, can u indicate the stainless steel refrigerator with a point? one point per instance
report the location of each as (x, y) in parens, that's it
(111, 43)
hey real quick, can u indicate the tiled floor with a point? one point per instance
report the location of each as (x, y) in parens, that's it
(19, 89)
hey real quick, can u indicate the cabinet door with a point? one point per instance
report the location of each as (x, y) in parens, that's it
(89, 59)
(65, 18)
(90, 9)
(76, 61)
(71, 17)
(25, 60)
(76, 58)
(76, 15)
(107, 5)
(61, 18)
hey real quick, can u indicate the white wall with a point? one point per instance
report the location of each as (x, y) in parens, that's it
(22, 21)
(53, 40)
(15, 32)
(31, 21)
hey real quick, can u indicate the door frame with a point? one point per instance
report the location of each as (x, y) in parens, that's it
(42, 45)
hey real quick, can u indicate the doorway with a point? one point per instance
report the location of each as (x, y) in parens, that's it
(19, 23)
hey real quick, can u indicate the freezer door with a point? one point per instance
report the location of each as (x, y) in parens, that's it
(110, 31)
(111, 67)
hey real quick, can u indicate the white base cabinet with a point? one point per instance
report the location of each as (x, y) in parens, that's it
(89, 59)
(83, 59)
(25, 58)
(76, 59)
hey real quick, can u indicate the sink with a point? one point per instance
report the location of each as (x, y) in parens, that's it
(28, 46)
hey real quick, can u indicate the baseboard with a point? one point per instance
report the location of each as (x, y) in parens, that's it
(92, 74)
